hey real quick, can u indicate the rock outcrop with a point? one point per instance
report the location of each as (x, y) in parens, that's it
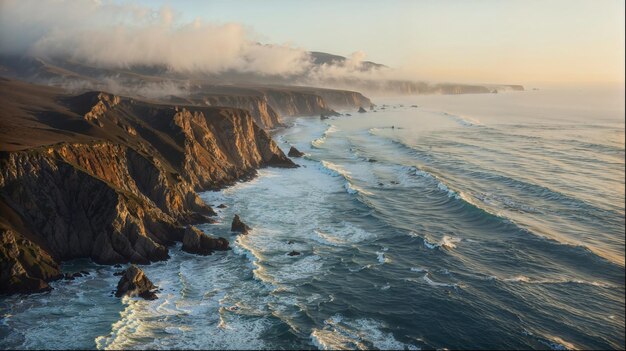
(239, 226)
(194, 241)
(362, 110)
(293, 152)
(24, 266)
(135, 283)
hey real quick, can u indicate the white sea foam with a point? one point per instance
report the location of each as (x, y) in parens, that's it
(322, 139)
(334, 170)
(462, 120)
(446, 242)
(362, 334)
(381, 257)
(437, 284)
(527, 280)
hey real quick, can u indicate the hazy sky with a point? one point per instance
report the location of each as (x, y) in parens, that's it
(488, 41)
(495, 41)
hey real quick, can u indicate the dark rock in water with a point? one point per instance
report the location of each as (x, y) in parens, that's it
(239, 226)
(371, 160)
(362, 110)
(290, 242)
(347, 114)
(72, 276)
(135, 283)
(148, 295)
(414, 106)
(394, 182)
(293, 253)
(118, 266)
(195, 241)
(381, 184)
(323, 117)
(222, 206)
(118, 273)
(293, 152)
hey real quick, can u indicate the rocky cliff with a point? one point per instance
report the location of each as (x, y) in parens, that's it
(267, 104)
(262, 113)
(119, 184)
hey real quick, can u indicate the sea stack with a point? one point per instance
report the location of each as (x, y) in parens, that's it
(196, 242)
(239, 226)
(293, 152)
(135, 283)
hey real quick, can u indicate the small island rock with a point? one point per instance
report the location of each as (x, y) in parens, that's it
(196, 242)
(239, 226)
(293, 152)
(135, 283)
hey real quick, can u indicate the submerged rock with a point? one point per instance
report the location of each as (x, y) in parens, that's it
(72, 276)
(293, 152)
(362, 110)
(135, 283)
(195, 241)
(323, 117)
(222, 206)
(239, 226)
(293, 253)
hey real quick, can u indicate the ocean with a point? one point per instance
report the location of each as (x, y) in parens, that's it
(443, 221)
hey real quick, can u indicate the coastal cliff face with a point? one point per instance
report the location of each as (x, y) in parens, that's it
(124, 189)
(266, 104)
(297, 103)
(264, 115)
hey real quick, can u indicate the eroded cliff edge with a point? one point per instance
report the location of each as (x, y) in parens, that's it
(110, 178)
(267, 104)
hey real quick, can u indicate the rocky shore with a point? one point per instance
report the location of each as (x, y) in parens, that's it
(114, 178)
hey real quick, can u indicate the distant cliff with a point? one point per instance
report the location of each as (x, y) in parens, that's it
(119, 184)
(267, 104)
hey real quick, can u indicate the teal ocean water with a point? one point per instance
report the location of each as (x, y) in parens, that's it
(466, 221)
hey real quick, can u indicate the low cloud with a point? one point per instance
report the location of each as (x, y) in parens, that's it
(118, 36)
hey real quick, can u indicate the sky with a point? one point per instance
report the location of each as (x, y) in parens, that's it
(479, 41)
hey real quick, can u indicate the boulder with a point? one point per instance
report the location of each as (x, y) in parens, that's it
(323, 117)
(239, 226)
(196, 242)
(222, 206)
(362, 110)
(293, 152)
(135, 283)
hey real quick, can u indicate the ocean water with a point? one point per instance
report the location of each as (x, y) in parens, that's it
(471, 221)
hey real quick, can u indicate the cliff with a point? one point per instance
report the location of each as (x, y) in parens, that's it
(262, 113)
(117, 182)
(266, 104)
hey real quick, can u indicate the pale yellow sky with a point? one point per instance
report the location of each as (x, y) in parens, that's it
(475, 41)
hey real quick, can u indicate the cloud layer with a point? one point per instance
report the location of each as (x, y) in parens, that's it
(113, 35)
